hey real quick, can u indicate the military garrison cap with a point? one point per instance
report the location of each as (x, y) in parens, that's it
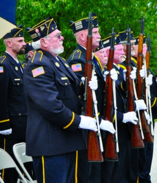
(28, 47)
(82, 24)
(101, 46)
(123, 36)
(42, 29)
(107, 41)
(15, 32)
(137, 40)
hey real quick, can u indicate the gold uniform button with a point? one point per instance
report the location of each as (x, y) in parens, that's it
(79, 96)
(66, 83)
(19, 114)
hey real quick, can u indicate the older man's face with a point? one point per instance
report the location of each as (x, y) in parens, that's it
(95, 38)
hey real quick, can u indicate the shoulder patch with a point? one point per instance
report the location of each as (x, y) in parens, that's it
(76, 67)
(38, 71)
(76, 54)
(1, 69)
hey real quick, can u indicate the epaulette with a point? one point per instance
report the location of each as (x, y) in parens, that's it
(98, 62)
(122, 66)
(2, 58)
(76, 54)
(36, 55)
(134, 60)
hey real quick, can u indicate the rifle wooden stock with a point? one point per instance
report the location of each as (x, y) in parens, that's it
(148, 136)
(94, 153)
(110, 153)
(136, 138)
(141, 91)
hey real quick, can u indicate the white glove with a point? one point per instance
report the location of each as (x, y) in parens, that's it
(6, 132)
(133, 73)
(142, 72)
(107, 126)
(124, 74)
(147, 117)
(83, 80)
(113, 74)
(140, 105)
(93, 83)
(88, 123)
(130, 117)
(149, 80)
(105, 74)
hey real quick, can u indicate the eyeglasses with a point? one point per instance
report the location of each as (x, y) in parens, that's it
(56, 36)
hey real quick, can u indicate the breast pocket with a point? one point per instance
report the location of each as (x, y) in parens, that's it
(17, 88)
(65, 89)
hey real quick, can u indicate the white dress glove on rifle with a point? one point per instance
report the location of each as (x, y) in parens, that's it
(6, 132)
(113, 74)
(142, 72)
(149, 80)
(83, 80)
(93, 83)
(130, 117)
(107, 126)
(105, 75)
(124, 74)
(140, 105)
(88, 123)
(133, 73)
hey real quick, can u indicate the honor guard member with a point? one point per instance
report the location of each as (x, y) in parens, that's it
(87, 171)
(13, 111)
(54, 128)
(135, 152)
(146, 154)
(118, 172)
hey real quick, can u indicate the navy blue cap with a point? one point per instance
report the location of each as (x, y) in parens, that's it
(123, 36)
(107, 41)
(137, 40)
(28, 47)
(82, 24)
(42, 29)
(15, 32)
(101, 46)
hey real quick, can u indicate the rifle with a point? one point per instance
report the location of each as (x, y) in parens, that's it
(94, 152)
(110, 152)
(141, 85)
(148, 95)
(136, 137)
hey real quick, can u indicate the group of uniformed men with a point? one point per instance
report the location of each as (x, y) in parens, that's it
(42, 104)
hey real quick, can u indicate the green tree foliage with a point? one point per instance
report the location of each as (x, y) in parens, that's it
(110, 13)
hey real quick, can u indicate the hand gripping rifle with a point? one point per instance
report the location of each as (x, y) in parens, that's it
(141, 85)
(94, 152)
(110, 152)
(136, 137)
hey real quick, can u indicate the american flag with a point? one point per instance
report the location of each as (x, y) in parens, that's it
(38, 71)
(1, 69)
(76, 67)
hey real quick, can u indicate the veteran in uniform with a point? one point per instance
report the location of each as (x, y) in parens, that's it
(141, 158)
(118, 172)
(54, 128)
(87, 171)
(13, 111)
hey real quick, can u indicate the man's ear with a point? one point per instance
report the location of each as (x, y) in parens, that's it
(43, 42)
(9, 43)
